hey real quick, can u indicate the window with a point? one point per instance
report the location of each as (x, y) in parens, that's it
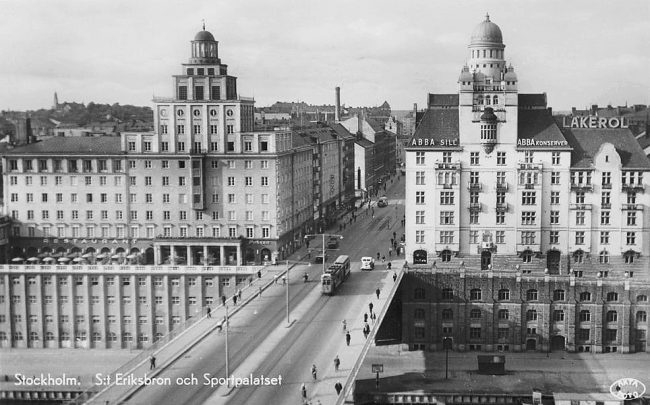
(607, 178)
(580, 217)
(555, 217)
(555, 177)
(555, 197)
(612, 296)
(583, 334)
(447, 237)
(555, 158)
(631, 218)
(558, 315)
(612, 316)
(447, 314)
(419, 217)
(642, 298)
(419, 197)
(527, 238)
(475, 294)
(475, 314)
(473, 158)
(503, 314)
(554, 237)
(419, 158)
(558, 295)
(528, 217)
(447, 294)
(604, 217)
(501, 158)
(603, 257)
(419, 294)
(531, 315)
(500, 218)
(474, 333)
(446, 217)
(419, 178)
(585, 316)
(528, 198)
(580, 240)
(531, 295)
(641, 316)
(504, 295)
(585, 296)
(610, 336)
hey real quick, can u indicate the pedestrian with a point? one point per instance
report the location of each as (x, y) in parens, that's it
(394, 276)
(239, 293)
(389, 265)
(377, 255)
(383, 259)
(390, 252)
(284, 280)
(307, 243)
(347, 337)
(394, 234)
(223, 300)
(250, 280)
(275, 279)
(152, 362)
(209, 313)
(338, 387)
(365, 333)
(345, 325)
(373, 317)
(337, 363)
(303, 391)
(377, 291)
(234, 300)
(365, 317)
(313, 371)
(370, 306)
(260, 288)
(259, 274)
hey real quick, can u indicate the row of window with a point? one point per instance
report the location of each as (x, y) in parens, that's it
(95, 299)
(476, 294)
(474, 157)
(81, 336)
(583, 334)
(126, 280)
(558, 315)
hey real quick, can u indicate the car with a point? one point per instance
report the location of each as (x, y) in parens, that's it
(367, 263)
(319, 258)
(383, 202)
(333, 243)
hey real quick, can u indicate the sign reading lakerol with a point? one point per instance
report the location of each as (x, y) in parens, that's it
(595, 122)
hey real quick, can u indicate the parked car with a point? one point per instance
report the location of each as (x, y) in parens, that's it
(383, 202)
(367, 263)
(319, 258)
(333, 243)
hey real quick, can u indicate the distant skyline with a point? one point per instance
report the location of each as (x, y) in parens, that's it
(579, 52)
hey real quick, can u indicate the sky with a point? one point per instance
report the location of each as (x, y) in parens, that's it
(579, 52)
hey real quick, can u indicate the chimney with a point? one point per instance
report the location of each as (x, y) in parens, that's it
(337, 107)
(415, 108)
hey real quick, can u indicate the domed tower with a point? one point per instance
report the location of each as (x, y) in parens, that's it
(487, 90)
(204, 49)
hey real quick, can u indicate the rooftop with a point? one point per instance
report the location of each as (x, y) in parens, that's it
(101, 145)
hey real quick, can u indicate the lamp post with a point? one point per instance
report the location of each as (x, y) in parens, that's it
(446, 342)
(227, 370)
(324, 249)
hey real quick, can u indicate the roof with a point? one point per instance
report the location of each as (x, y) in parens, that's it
(377, 127)
(487, 31)
(101, 145)
(541, 127)
(341, 131)
(203, 36)
(443, 100)
(586, 142)
(364, 143)
(436, 125)
(532, 100)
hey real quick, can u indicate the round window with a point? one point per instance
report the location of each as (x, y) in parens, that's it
(213, 112)
(180, 113)
(163, 113)
(230, 113)
(196, 112)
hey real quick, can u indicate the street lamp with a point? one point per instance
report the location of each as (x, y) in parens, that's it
(324, 249)
(446, 343)
(287, 278)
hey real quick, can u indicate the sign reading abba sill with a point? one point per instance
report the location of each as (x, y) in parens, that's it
(595, 122)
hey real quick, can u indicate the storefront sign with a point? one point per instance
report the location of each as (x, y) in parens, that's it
(433, 142)
(536, 142)
(261, 242)
(595, 122)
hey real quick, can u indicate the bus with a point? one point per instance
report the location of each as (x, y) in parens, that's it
(335, 275)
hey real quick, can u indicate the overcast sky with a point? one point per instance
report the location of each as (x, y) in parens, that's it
(579, 52)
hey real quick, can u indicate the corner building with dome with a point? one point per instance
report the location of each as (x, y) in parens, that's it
(502, 195)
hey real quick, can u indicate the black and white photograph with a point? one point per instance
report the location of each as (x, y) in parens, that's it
(286, 202)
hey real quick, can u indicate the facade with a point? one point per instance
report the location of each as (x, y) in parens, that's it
(504, 311)
(493, 180)
(203, 188)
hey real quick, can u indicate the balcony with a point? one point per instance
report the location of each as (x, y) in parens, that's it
(606, 206)
(581, 207)
(528, 186)
(501, 187)
(529, 166)
(632, 188)
(475, 207)
(582, 187)
(502, 207)
(474, 186)
(632, 207)
(606, 186)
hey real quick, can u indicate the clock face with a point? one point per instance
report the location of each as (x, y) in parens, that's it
(230, 113)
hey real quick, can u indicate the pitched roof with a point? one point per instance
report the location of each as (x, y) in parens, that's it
(437, 125)
(377, 127)
(101, 145)
(443, 100)
(540, 126)
(587, 141)
(532, 100)
(364, 142)
(341, 131)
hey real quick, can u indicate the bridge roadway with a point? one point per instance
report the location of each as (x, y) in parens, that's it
(261, 343)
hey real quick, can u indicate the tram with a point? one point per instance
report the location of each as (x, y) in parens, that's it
(335, 275)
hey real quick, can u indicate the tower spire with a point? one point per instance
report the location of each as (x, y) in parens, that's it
(203, 21)
(487, 16)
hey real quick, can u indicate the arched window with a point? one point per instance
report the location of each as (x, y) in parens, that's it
(585, 316)
(612, 316)
(642, 298)
(558, 295)
(531, 315)
(612, 296)
(495, 100)
(531, 295)
(585, 296)
(503, 314)
(419, 313)
(527, 256)
(504, 294)
(475, 314)
(488, 100)
(479, 100)
(420, 257)
(445, 256)
(475, 294)
(603, 257)
(629, 257)
(419, 294)
(447, 294)
(578, 256)
(447, 314)
(641, 316)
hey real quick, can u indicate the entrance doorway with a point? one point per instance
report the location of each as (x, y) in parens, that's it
(486, 259)
(553, 262)
(558, 343)
(531, 344)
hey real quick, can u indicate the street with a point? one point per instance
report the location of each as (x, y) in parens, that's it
(308, 341)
